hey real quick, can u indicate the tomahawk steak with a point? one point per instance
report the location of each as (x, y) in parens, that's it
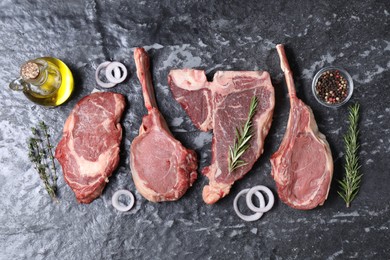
(162, 168)
(89, 149)
(303, 165)
(222, 106)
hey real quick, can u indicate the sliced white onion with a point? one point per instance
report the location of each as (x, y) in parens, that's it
(253, 217)
(117, 205)
(117, 72)
(116, 77)
(98, 81)
(261, 209)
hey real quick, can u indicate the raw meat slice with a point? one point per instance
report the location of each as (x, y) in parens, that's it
(303, 165)
(161, 167)
(89, 149)
(223, 105)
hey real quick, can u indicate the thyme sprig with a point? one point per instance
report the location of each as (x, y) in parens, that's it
(41, 154)
(243, 136)
(350, 184)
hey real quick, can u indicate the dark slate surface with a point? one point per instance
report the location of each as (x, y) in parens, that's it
(214, 35)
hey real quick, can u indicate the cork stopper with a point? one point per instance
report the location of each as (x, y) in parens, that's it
(29, 70)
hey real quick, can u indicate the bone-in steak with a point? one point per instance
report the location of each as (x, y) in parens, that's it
(89, 149)
(223, 105)
(303, 165)
(162, 168)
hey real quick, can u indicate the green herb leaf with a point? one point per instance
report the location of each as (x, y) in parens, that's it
(243, 136)
(350, 184)
(41, 154)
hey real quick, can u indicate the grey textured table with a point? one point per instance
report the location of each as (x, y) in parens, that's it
(214, 35)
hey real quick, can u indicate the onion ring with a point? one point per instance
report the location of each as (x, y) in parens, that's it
(115, 200)
(115, 65)
(117, 72)
(98, 81)
(261, 209)
(253, 217)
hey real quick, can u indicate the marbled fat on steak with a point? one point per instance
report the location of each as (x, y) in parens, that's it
(162, 168)
(89, 149)
(222, 106)
(303, 165)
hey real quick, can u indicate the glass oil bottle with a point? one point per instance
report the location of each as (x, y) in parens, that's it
(46, 81)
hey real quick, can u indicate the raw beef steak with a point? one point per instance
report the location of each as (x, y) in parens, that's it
(222, 106)
(89, 149)
(162, 168)
(303, 165)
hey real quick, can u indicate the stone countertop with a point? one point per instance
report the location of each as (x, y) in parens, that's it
(213, 35)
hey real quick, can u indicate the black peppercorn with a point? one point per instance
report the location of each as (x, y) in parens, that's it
(332, 87)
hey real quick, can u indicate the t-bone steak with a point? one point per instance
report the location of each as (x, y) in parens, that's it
(222, 105)
(89, 149)
(162, 168)
(303, 165)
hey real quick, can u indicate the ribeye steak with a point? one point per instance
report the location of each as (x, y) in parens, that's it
(89, 149)
(223, 105)
(303, 165)
(161, 167)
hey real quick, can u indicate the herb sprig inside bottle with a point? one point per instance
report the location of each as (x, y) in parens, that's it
(243, 136)
(40, 153)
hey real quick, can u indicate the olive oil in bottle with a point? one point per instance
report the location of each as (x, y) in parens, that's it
(46, 81)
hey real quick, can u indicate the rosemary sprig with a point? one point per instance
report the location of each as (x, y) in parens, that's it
(40, 153)
(243, 136)
(350, 184)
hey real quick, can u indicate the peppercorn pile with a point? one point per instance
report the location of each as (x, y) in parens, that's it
(332, 87)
